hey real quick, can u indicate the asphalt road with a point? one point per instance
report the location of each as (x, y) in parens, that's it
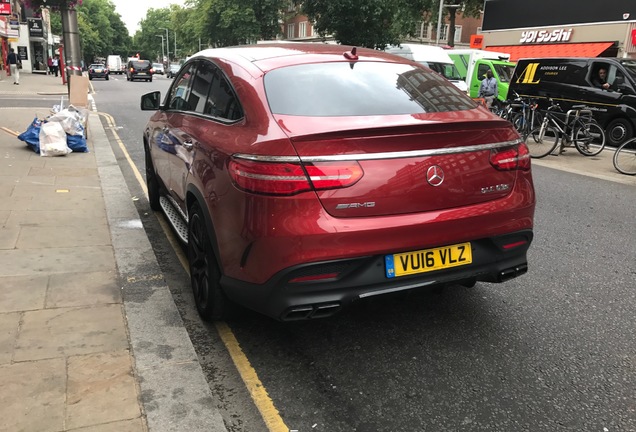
(553, 350)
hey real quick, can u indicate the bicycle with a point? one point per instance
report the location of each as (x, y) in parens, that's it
(625, 157)
(578, 128)
(528, 118)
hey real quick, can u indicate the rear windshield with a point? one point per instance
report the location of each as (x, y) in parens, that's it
(140, 64)
(360, 89)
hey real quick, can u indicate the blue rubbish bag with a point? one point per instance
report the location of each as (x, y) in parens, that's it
(32, 135)
(77, 143)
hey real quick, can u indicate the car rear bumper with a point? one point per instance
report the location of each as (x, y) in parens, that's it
(284, 299)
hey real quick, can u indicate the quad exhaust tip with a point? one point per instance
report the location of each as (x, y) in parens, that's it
(321, 310)
(512, 272)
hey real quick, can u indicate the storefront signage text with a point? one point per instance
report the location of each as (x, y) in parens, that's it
(5, 8)
(546, 36)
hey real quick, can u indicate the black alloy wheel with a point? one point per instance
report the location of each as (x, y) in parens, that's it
(204, 272)
(618, 131)
(152, 183)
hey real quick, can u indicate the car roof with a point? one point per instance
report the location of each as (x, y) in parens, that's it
(270, 56)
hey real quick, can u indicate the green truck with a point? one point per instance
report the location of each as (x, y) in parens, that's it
(472, 65)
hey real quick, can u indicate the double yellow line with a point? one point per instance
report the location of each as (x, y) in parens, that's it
(259, 394)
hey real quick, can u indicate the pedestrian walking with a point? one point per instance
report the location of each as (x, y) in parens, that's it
(15, 63)
(49, 63)
(56, 65)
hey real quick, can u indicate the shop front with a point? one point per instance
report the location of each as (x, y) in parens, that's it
(558, 28)
(38, 44)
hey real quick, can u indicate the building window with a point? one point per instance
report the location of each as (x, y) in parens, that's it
(422, 30)
(444, 33)
(314, 33)
(302, 29)
(290, 31)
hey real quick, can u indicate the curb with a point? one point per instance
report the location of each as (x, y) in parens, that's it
(174, 393)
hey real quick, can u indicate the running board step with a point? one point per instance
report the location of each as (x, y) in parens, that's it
(175, 217)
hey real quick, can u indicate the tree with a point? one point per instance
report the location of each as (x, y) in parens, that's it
(147, 40)
(367, 23)
(234, 22)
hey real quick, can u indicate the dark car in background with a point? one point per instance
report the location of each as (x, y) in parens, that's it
(98, 70)
(306, 177)
(139, 69)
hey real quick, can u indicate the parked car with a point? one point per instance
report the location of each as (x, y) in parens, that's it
(139, 69)
(157, 68)
(173, 69)
(305, 177)
(98, 70)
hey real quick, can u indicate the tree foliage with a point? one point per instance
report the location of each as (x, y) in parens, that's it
(367, 23)
(234, 22)
(469, 8)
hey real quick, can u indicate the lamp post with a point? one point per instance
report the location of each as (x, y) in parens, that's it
(163, 53)
(167, 43)
(453, 7)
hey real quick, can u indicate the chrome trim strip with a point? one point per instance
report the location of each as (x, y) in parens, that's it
(378, 156)
(390, 290)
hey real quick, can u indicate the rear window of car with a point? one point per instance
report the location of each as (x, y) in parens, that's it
(140, 64)
(97, 66)
(360, 89)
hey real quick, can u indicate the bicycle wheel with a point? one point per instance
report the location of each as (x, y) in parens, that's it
(589, 138)
(542, 142)
(520, 123)
(625, 157)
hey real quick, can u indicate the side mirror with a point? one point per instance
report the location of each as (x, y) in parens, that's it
(151, 101)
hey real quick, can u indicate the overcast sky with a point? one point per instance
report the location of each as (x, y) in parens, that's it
(133, 11)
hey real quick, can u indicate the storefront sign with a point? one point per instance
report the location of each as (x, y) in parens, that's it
(546, 36)
(23, 53)
(476, 41)
(35, 27)
(5, 8)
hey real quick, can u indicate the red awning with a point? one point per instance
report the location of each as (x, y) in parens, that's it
(592, 49)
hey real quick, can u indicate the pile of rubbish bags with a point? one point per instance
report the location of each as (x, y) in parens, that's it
(59, 134)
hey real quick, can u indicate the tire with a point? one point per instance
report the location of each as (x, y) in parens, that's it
(152, 182)
(589, 138)
(205, 276)
(618, 131)
(520, 124)
(625, 158)
(541, 146)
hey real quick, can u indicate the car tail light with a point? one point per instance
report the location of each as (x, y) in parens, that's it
(511, 158)
(274, 178)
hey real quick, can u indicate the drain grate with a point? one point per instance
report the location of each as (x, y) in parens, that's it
(176, 220)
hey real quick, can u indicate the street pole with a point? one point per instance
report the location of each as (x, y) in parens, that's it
(439, 21)
(163, 54)
(70, 34)
(175, 45)
(167, 43)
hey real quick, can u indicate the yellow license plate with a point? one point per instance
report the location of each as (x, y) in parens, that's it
(427, 260)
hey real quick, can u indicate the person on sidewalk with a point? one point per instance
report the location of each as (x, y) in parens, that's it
(14, 63)
(56, 65)
(49, 63)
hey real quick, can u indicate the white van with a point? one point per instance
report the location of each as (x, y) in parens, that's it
(115, 64)
(433, 57)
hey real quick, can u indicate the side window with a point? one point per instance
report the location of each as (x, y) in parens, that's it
(481, 71)
(222, 102)
(178, 98)
(201, 86)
